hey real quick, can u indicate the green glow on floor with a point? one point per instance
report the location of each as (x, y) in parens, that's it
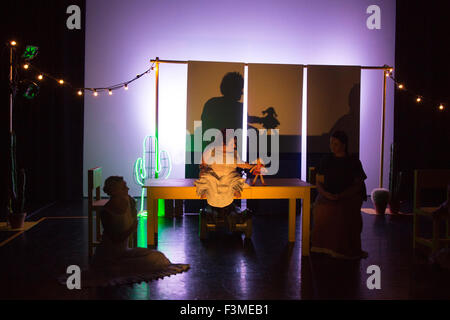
(163, 226)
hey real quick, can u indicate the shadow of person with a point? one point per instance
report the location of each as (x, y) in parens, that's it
(227, 111)
(349, 123)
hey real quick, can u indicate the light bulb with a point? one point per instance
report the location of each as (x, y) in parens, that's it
(61, 81)
(441, 107)
(26, 66)
(419, 99)
(13, 43)
(40, 77)
(80, 93)
(110, 92)
(126, 87)
(400, 86)
(95, 93)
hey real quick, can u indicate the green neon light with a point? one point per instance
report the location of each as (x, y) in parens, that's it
(144, 172)
(142, 201)
(139, 177)
(142, 214)
(142, 231)
(161, 210)
(170, 166)
(30, 52)
(140, 174)
(31, 91)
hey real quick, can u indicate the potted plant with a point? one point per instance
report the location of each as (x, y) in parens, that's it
(394, 199)
(380, 198)
(16, 201)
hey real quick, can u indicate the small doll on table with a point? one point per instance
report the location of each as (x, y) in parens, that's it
(257, 171)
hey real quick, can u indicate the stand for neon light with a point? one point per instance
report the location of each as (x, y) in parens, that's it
(154, 164)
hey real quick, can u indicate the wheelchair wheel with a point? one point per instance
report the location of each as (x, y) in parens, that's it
(248, 230)
(202, 229)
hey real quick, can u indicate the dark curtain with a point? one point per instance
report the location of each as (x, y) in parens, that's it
(49, 128)
(422, 133)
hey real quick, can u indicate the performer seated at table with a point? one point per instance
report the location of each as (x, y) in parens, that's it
(115, 263)
(337, 208)
(220, 182)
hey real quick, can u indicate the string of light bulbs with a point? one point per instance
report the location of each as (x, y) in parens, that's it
(80, 91)
(32, 52)
(441, 106)
(96, 90)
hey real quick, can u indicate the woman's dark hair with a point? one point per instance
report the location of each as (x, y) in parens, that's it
(342, 137)
(232, 85)
(110, 182)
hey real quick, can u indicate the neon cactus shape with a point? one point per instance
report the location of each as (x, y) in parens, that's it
(150, 166)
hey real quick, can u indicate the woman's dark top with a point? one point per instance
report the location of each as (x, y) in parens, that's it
(340, 173)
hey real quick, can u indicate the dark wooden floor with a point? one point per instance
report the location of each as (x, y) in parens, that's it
(225, 266)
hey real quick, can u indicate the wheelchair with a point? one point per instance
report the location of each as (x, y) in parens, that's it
(230, 218)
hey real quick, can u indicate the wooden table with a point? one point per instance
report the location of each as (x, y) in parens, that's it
(291, 189)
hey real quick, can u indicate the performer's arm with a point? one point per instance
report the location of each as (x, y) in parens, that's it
(320, 179)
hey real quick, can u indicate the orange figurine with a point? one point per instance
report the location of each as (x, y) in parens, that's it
(257, 171)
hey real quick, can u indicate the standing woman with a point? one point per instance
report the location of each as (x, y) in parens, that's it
(337, 209)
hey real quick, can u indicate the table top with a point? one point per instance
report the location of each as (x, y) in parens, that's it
(270, 182)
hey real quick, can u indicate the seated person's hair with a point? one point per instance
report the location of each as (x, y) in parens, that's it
(110, 182)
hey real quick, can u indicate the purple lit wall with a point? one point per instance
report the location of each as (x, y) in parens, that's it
(122, 37)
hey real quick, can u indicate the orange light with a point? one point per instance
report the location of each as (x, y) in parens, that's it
(40, 77)
(419, 99)
(80, 93)
(61, 81)
(95, 93)
(110, 92)
(126, 87)
(441, 107)
(26, 66)
(400, 86)
(13, 43)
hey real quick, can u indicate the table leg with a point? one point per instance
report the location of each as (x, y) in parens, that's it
(306, 217)
(155, 216)
(150, 222)
(291, 230)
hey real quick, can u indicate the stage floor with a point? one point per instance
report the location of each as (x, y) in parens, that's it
(225, 266)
